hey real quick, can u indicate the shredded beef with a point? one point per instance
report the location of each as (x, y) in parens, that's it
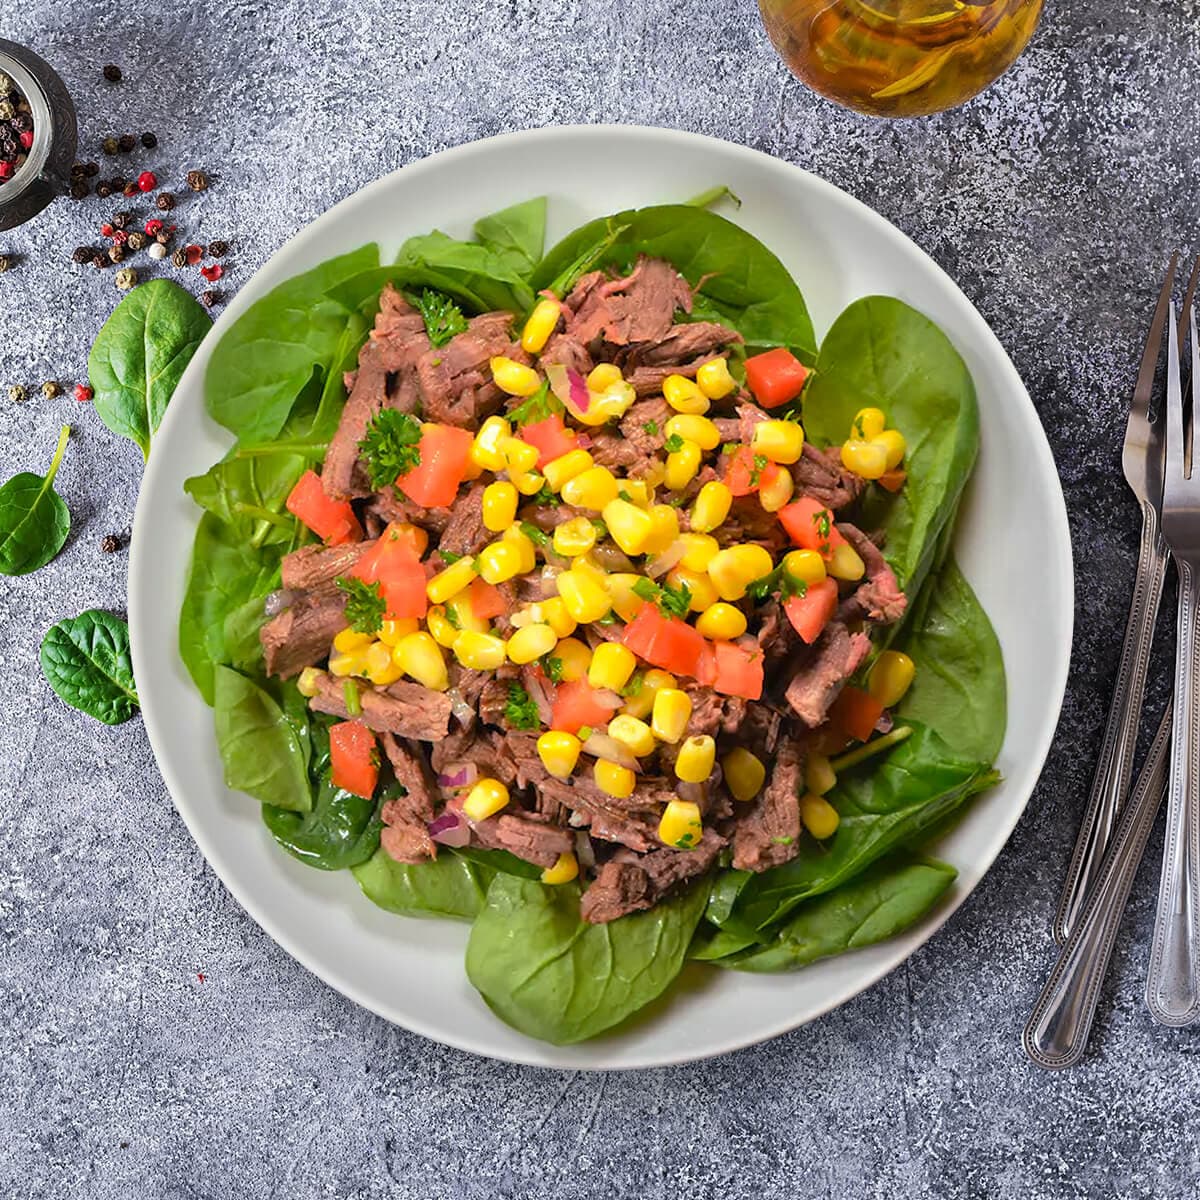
(465, 532)
(406, 709)
(531, 836)
(820, 671)
(405, 836)
(340, 476)
(637, 308)
(568, 351)
(769, 834)
(310, 566)
(748, 521)
(299, 636)
(593, 808)
(879, 598)
(820, 474)
(760, 728)
(388, 504)
(456, 385)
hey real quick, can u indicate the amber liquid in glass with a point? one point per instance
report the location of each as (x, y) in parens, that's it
(899, 58)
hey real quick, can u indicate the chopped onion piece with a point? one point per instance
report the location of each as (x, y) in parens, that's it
(449, 830)
(697, 793)
(601, 745)
(278, 600)
(660, 564)
(584, 851)
(458, 776)
(459, 707)
(612, 558)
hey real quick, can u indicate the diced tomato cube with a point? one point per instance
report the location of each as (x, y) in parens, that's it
(577, 704)
(665, 642)
(331, 520)
(775, 377)
(810, 613)
(551, 437)
(393, 563)
(353, 758)
(445, 454)
(893, 480)
(810, 525)
(856, 712)
(738, 672)
(740, 477)
(487, 601)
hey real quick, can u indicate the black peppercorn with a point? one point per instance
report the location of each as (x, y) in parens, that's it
(104, 189)
(82, 254)
(116, 252)
(163, 237)
(197, 181)
(78, 170)
(149, 141)
(112, 73)
(51, 389)
(218, 249)
(130, 189)
(22, 122)
(5, 263)
(99, 261)
(109, 145)
(179, 258)
(137, 240)
(80, 188)
(126, 142)
(110, 543)
(210, 298)
(121, 219)
(91, 169)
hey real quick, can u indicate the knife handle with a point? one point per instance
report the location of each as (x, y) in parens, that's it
(1115, 766)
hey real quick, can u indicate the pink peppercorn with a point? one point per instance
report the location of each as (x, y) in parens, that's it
(106, 230)
(26, 138)
(154, 227)
(6, 170)
(212, 273)
(147, 181)
(120, 236)
(194, 254)
(83, 393)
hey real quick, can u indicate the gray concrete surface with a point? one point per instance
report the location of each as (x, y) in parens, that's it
(157, 1044)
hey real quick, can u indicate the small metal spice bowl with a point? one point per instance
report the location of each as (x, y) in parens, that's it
(46, 172)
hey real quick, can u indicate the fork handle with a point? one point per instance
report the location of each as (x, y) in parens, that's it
(1173, 985)
(1057, 1032)
(1115, 766)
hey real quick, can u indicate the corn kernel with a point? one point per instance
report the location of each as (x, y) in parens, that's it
(671, 712)
(735, 568)
(593, 569)
(868, 459)
(844, 563)
(629, 526)
(308, 682)
(711, 506)
(460, 612)
(694, 428)
(528, 483)
(485, 449)
(633, 734)
(513, 377)
(640, 699)
(350, 639)
(514, 535)
(554, 613)
(807, 566)
(539, 325)
(353, 662)
(499, 506)
(701, 589)
(586, 599)
(776, 491)
(614, 779)
(637, 491)
(479, 651)
(574, 658)
(485, 799)
(721, 622)
(891, 677)
(379, 668)
(684, 395)
(780, 441)
(420, 657)
(611, 666)
(699, 550)
(819, 776)
(664, 528)
(819, 816)
(566, 868)
(868, 423)
(440, 626)
(894, 447)
(591, 489)
(682, 465)
(559, 752)
(529, 644)
(499, 561)
(519, 457)
(680, 825)
(392, 630)
(451, 581)
(714, 379)
(574, 537)
(694, 763)
(625, 601)
(744, 773)
(603, 376)
(565, 467)
(653, 473)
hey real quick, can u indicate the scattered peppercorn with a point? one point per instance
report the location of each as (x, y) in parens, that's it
(193, 254)
(51, 389)
(99, 261)
(5, 263)
(130, 189)
(157, 251)
(112, 73)
(121, 220)
(91, 169)
(179, 258)
(149, 141)
(119, 236)
(197, 181)
(165, 201)
(126, 142)
(8, 110)
(25, 137)
(110, 543)
(116, 252)
(107, 229)
(104, 189)
(164, 238)
(82, 254)
(117, 183)
(218, 249)
(137, 240)
(82, 393)
(153, 227)
(17, 394)
(77, 170)
(211, 298)
(109, 145)
(126, 278)
(212, 273)
(80, 188)
(147, 181)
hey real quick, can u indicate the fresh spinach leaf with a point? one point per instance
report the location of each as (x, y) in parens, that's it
(85, 659)
(881, 352)
(260, 750)
(449, 886)
(885, 899)
(499, 860)
(518, 232)
(743, 283)
(248, 494)
(269, 355)
(34, 521)
(139, 355)
(553, 976)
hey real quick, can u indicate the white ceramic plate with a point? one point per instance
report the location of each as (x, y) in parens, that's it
(411, 971)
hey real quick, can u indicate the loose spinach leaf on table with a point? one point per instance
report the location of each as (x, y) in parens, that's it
(34, 521)
(85, 659)
(269, 355)
(881, 352)
(139, 355)
(553, 976)
(449, 886)
(260, 750)
(744, 284)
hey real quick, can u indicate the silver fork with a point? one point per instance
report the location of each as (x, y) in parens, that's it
(1173, 984)
(1142, 460)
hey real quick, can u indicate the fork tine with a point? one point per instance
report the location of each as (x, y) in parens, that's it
(1140, 404)
(1175, 444)
(1195, 380)
(1187, 300)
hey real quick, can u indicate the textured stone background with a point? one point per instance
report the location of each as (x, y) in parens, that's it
(157, 1044)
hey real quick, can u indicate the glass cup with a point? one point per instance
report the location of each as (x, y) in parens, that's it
(899, 58)
(46, 171)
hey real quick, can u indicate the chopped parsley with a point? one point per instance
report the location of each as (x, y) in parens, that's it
(538, 407)
(552, 667)
(520, 710)
(672, 602)
(779, 580)
(365, 604)
(760, 465)
(609, 618)
(600, 528)
(637, 681)
(782, 841)
(546, 497)
(673, 444)
(686, 841)
(452, 617)
(391, 446)
(624, 495)
(443, 318)
(539, 537)
(449, 557)
(651, 427)
(822, 522)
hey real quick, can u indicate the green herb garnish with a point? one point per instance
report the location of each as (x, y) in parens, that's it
(760, 465)
(546, 497)
(449, 557)
(539, 537)
(452, 617)
(672, 602)
(637, 681)
(779, 580)
(552, 667)
(520, 710)
(391, 446)
(673, 444)
(624, 495)
(365, 604)
(538, 407)
(782, 841)
(352, 699)
(443, 318)
(650, 427)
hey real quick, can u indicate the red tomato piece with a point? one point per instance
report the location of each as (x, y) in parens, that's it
(487, 601)
(810, 613)
(576, 704)
(856, 712)
(433, 482)
(738, 672)
(775, 377)
(893, 480)
(706, 665)
(665, 642)
(353, 758)
(740, 476)
(551, 437)
(393, 563)
(810, 525)
(331, 520)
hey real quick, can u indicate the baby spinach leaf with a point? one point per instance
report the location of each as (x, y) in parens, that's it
(272, 351)
(449, 886)
(85, 659)
(248, 494)
(34, 521)
(885, 899)
(518, 232)
(552, 976)
(139, 355)
(260, 750)
(881, 352)
(499, 860)
(744, 284)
